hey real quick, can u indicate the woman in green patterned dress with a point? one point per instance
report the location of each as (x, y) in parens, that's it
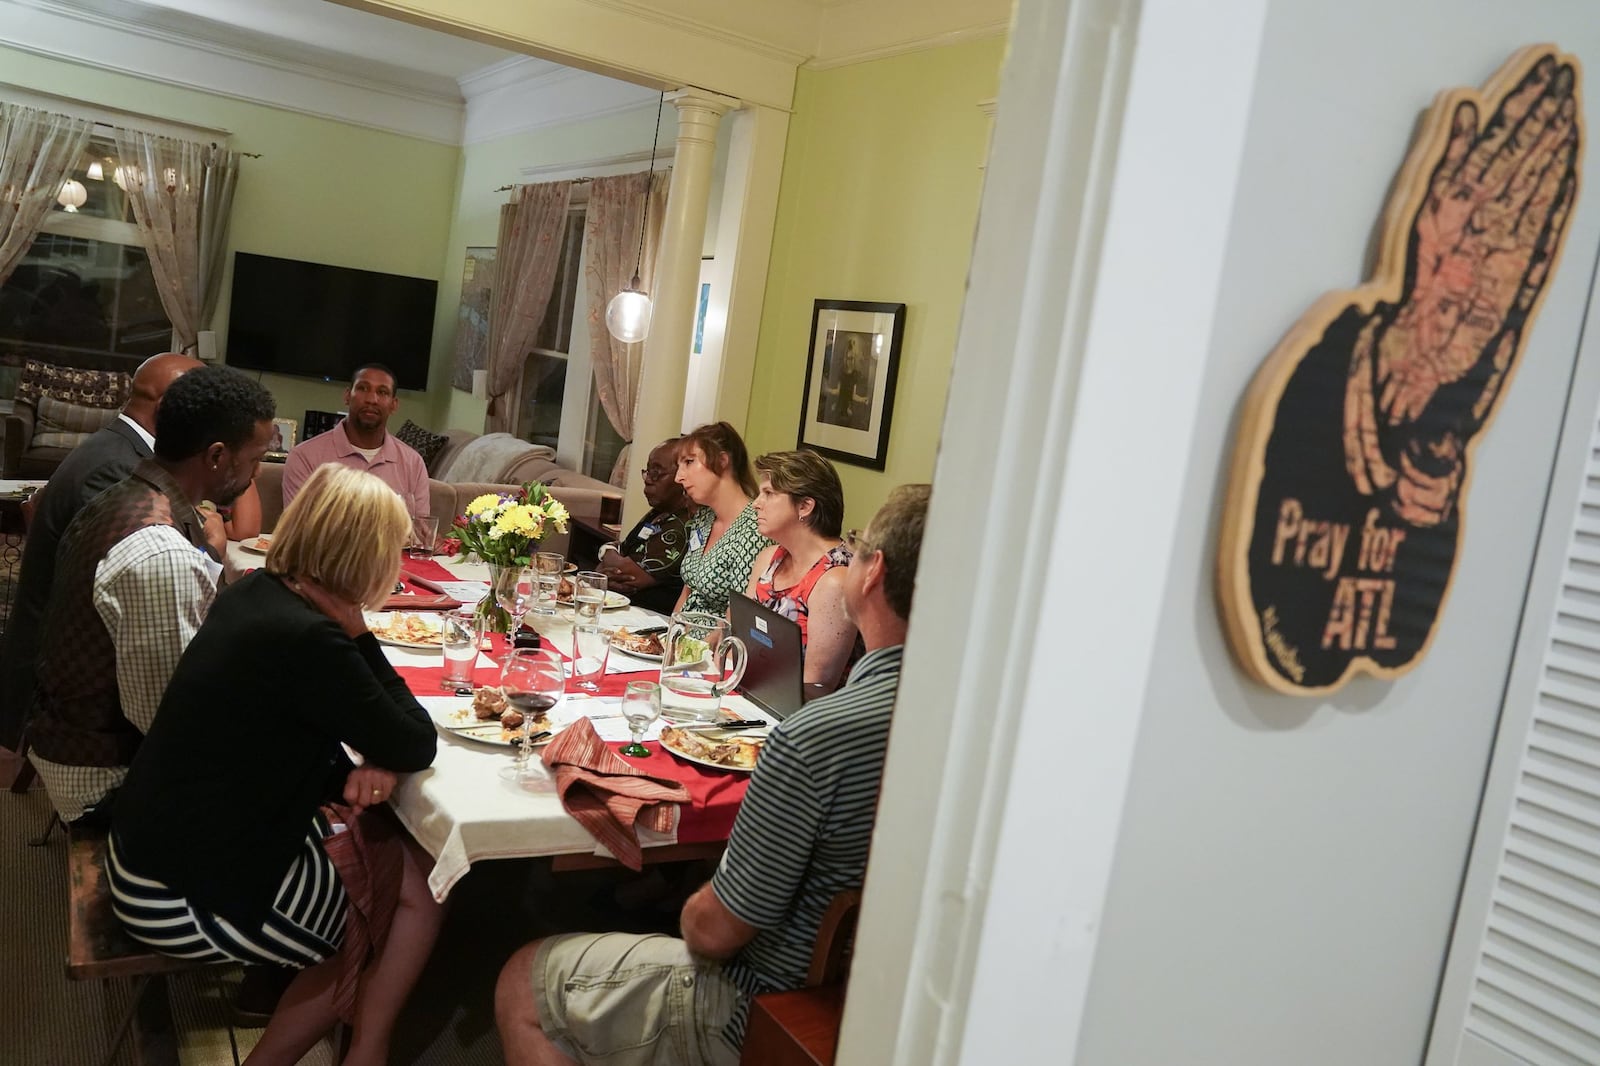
(714, 470)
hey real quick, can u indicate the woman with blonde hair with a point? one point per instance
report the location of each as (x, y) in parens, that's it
(800, 507)
(714, 470)
(217, 835)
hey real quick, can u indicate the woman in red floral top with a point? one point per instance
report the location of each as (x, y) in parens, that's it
(800, 505)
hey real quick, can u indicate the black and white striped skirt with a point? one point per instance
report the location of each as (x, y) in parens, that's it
(304, 927)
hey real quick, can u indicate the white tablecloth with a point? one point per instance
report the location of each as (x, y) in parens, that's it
(464, 808)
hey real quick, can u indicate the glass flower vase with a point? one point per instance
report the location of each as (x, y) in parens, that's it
(503, 581)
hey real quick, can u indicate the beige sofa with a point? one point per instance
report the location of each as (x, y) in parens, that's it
(585, 498)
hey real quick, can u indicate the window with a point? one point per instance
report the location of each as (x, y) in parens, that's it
(84, 293)
(560, 407)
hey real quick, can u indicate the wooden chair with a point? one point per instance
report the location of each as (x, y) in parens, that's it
(801, 1028)
(99, 949)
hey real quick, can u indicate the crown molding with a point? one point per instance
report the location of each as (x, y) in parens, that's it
(603, 167)
(909, 45)
(499, 104)
(700, 28)
(234, 64)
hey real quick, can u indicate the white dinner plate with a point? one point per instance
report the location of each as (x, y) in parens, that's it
(686, 757)
(258, 545)
(378, 619)
(463, 723)
(615, 601)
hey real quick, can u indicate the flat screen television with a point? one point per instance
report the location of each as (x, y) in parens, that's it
(319, 321)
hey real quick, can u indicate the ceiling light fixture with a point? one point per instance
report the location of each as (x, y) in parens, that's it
(628, 313)
(73, 195)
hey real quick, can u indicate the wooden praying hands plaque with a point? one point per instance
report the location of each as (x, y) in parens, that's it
(1350, 472)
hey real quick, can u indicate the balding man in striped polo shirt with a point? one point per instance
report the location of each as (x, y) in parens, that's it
(801, 838)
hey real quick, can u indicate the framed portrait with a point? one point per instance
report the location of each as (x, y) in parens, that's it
(283, 431)
(850, 377)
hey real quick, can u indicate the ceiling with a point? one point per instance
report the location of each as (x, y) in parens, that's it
(321, 58)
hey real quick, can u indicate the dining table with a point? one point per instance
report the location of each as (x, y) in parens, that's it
(471, 805)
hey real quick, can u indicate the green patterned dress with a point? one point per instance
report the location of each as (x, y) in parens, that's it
(712, 576)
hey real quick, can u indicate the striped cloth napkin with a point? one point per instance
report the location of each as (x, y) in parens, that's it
(608, 796)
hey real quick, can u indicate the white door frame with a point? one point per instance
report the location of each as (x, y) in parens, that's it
(1074, 394)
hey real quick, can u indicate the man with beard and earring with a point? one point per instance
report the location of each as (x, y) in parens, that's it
(134, 579)
(363, 442)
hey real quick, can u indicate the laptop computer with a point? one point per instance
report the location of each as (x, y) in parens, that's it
(774, 669)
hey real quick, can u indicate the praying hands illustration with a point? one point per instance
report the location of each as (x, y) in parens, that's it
(1428, 370)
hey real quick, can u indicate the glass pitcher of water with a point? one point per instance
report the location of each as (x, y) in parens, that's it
(701, 661)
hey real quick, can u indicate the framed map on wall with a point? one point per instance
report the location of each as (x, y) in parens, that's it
(472, 319)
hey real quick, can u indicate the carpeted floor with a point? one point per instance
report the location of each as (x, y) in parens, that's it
(48, 1020)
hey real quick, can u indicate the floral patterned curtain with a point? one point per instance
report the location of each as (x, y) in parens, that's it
(38, 151)
(182, 196)
(529, 254)
(611, 240)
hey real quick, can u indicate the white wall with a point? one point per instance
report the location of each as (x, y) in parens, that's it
(1287, 869)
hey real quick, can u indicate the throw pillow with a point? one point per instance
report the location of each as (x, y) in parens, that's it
(426, 443)
(67, 425)
(87, 388)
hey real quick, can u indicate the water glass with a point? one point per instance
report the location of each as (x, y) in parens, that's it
(424, 536)
(463, 633)
(641, 705)
(588, 596)
(547, 567)
(591, 647)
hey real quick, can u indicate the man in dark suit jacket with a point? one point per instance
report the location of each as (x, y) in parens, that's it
(88, 470)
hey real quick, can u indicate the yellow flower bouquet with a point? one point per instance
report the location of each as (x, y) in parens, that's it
(503, 530)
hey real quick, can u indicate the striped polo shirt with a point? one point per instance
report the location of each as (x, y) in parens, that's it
(805, 825)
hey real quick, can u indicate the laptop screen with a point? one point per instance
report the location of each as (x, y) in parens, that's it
(774, 669)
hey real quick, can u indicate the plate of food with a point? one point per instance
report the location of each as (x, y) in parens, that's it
(490, 719)
(719, 752)
(639, 645)
(615, 601)
(405, 630)
(258, 545)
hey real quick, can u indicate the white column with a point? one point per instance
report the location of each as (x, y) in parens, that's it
(676, 285)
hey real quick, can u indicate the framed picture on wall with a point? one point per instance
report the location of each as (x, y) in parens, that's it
(283, 430)
(850, 378)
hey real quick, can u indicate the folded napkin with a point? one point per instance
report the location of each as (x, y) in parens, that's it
(608, 796)
(369, 857)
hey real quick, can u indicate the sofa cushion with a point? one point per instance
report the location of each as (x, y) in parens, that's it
(493, 458)
(425, 442)
(88, 388)
(66, 425)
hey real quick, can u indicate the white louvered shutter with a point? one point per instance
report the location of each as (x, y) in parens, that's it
(1522, 985)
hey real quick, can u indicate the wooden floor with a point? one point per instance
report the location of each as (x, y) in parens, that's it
(48, 1020)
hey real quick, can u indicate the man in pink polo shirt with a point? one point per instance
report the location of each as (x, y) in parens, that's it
(362, 442)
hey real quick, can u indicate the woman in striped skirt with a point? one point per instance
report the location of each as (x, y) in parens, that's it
(217, 837)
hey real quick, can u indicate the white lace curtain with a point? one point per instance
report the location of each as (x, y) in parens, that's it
(182, 197)
(526, 262)
(38, 150)
(611, 239)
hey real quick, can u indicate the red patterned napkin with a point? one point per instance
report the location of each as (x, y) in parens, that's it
(609, 797)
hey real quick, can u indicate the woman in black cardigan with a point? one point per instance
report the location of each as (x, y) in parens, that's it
(216, 841)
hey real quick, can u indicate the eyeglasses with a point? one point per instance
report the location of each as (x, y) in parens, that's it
(856, 541)
(654, 473)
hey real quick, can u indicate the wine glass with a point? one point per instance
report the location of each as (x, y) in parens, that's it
(641, 705)
(532, 682)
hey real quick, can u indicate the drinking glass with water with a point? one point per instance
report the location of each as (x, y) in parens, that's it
(591, 647)
(588, 596)
(547, 567)
(463, 635)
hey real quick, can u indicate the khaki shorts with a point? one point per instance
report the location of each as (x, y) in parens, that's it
(627, 1000)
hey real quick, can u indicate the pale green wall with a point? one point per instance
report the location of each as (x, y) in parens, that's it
(879, 199)
(322, 191)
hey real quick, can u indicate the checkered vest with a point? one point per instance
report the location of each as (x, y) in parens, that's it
(77, 719)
